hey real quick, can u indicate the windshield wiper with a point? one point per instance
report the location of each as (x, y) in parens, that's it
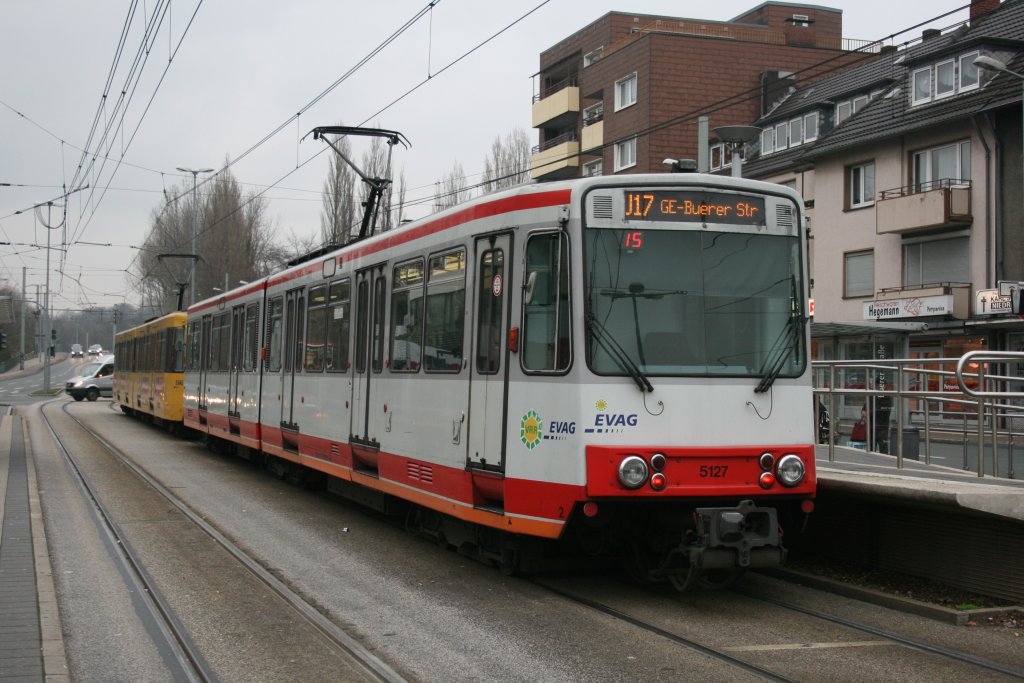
(617, 353)
(783, 347)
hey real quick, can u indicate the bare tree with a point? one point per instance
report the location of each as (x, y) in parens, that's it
(451, 189)
(338, 213)
(234, 241)
(508, 163)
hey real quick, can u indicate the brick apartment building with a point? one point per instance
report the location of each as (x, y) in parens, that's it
(626, 73)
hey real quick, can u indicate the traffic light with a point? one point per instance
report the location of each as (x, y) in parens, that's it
(3, 341)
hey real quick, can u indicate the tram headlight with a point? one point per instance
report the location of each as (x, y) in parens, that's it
(633, 472)
(790, 471)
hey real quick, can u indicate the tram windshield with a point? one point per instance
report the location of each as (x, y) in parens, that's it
(694, 302)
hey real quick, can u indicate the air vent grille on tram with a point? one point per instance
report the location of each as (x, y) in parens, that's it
(784, 215)
(603, 207)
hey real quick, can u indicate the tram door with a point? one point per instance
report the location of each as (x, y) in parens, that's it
(205, 361)
(371, 300)
(489, 367)
(235, 360)
(295, 328)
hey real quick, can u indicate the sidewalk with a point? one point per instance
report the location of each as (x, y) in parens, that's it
(33, 364)
(31, 642)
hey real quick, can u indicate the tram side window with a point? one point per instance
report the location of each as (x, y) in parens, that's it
(176, 363)
(547, 318)
(379, 306)
(363, 319)
(407, 316)
(491, 297)
(338, 311)
(162, 359)
(275, 334)
(446, 312)
(193, 346)
(249, 353)
(316, 330)
(222, 343)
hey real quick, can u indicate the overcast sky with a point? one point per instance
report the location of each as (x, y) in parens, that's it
(243, 68)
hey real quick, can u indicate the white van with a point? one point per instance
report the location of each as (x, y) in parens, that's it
(97, 379)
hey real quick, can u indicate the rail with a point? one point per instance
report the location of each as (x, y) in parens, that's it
(918, 188)
(974, 400)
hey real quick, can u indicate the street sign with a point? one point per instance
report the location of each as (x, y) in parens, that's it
(991, 302)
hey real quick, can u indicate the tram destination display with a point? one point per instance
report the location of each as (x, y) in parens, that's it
(683, 206)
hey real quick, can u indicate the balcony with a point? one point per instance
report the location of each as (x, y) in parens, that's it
(557, 158)
(938, 204)
(593, 128)
(558, 106)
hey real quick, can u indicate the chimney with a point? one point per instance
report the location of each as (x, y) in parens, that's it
(930, 33)
(887, 49)
(980, 8)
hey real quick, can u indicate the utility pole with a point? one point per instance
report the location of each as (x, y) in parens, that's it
(195, 210)
(21, 363)
(48, 333)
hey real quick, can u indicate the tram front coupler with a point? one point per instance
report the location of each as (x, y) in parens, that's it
(740, 537)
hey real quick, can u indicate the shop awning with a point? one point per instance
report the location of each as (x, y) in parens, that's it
(864, 327)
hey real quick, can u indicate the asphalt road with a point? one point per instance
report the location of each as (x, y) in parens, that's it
(17, 387)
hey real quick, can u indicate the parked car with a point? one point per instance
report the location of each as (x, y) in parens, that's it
(97, 379)
(96, 350)
(76, 351)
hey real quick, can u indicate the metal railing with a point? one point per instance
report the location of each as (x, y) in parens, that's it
(918, 188)
(971, 400)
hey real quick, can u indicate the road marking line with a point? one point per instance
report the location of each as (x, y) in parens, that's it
(808, 646)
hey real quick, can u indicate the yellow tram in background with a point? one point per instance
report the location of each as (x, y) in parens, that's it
(149, 368)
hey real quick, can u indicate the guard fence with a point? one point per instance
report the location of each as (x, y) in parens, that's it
(976, 401)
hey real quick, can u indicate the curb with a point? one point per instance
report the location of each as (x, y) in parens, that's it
(909, 605)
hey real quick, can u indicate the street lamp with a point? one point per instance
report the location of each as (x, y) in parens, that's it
(993, 64)
(192, 276)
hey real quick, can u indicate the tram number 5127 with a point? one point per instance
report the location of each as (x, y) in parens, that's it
(713, 471)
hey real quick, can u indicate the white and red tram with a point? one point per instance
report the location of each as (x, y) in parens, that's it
(620, 355)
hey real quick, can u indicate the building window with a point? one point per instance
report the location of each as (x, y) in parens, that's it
(860, 102)
(945, 79)
(625, 92)
(796, 132)
(930, 262)
(721, 156)
(946, 163)
(921, 88)
(811, 126)
(593, 168)
(781, 136)
(862, 185)
(843, 111)
(625, 154)
(767, 141)
(592, 56)
(593, 114)
(859, 274)
(968, 71)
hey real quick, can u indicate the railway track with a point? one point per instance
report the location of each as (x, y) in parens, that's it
(729, 655)
(183, 655)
